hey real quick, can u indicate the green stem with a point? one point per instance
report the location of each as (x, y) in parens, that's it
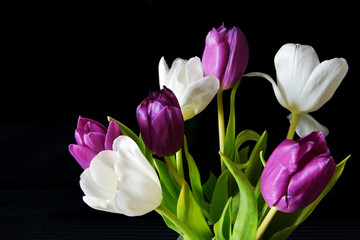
(173, 171)
(183, 228)
(293, 124)
(265, 223)
(221, 124)
(179, 163)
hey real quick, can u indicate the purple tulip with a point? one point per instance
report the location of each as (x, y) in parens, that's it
(297, 172)
(226, 55)
(92, 137)
(161, 122)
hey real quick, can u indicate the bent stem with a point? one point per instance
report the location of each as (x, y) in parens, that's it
(294, 121)
(162, 210)
(265, 223)
(221, 124)
(179, 163)
(173, 171)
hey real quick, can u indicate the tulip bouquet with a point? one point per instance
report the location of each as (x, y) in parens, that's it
(252, 198)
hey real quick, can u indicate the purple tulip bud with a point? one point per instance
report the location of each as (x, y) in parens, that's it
(297, 172)
(161, 122)
(92, 137)
(226, 55)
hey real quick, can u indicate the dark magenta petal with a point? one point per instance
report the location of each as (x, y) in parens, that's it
(113, 132)
(90, 125)
(161, 122)
(82, 154)
(95, 141)
(297, 172)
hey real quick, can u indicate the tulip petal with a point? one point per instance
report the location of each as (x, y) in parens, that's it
(322, 84)
(163, 73)
(294, 64)
(82, 154)
(307, 184)
(112, 133)
(176, 79)
(102, 170)
(216, 54)
(198, 95)
(90, 125)
(279, 95)
(95, 196)
(95, 141)
(308, 124)
(128, 149)
(193, 70)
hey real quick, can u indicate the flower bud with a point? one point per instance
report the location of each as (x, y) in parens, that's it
(161, 122)
(226, 55)
(92, 137)
(297, 172)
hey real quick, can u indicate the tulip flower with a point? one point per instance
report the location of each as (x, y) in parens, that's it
(186, 79)
(92, 137)
(303, 83)
(226, 55)
(121, 180)
(297, 172)
(161, 122)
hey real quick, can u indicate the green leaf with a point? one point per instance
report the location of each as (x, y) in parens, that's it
(223, 228)
(253, 171)
(189, 212)
(220, 196)
(230, 129)
(195, 181)
(209, 186)
(246, 220)
(284, 224)
(242, 137)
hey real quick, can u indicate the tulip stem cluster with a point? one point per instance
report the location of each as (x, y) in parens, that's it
(221, 124)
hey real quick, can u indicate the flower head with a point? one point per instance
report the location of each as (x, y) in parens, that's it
(121, 181)
(186, 79)
(226, 55)
(297, 172)
(161, 122)
(92, 137)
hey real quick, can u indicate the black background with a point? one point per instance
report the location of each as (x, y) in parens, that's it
(97, 60)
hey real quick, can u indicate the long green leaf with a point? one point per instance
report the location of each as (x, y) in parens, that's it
(285, 223)
(246, 220)
(189, 212)
(195, 181)
(223, 228)
(220, 196)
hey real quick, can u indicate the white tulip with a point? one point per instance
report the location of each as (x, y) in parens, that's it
(121, 181)
(303, 83)
(186, 79)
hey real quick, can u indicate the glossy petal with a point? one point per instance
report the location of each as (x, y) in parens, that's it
(215, 55)
(163, 73)
(297, 172)
(121, 181)
(82, 154)
(193, 71)
(294, 64)
(322, 84)
(90, 125)
(198, 95)
(308, 124)
(95, 141)
(112, 133)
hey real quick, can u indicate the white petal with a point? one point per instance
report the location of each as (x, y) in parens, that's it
(163, 72)
(102, 170)
(95, 196)
(176, 79)
(193, 70)
(294, 64)
(323, 83)
(277, 91)
(198, 95)
(129, 151)
(308, 124)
